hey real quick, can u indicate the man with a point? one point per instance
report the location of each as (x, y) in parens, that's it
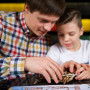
(24, 43)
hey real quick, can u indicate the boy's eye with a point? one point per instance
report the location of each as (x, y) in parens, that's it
(71, 34)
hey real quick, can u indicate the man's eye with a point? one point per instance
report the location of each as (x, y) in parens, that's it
(61, 35)
(43, 21)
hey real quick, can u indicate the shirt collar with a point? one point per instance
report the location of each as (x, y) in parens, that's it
(23, 24)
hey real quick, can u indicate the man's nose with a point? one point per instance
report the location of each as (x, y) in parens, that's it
(48, 26)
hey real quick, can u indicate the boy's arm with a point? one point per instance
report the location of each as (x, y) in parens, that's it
(11, 67)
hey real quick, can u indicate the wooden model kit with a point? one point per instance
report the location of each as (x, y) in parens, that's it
(67, 77)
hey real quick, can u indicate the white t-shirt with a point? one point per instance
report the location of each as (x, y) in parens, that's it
(61, 55)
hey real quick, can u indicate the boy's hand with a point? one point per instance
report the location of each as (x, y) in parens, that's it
(71, 65)
(83, 67)
(85, 74)
(86, 66)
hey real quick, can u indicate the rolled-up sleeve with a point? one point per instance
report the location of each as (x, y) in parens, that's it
(11, 68)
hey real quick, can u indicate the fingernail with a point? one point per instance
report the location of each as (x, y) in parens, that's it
(57, 82)
(49, 81)
(76, 78)
(76, 74)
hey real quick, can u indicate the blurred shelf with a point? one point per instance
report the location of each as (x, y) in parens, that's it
(86, 24)
(85, 8)
(21, 1)
(77, 1)
(12, 7)
(12, 1)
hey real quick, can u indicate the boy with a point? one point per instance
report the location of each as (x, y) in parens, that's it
(71, 47)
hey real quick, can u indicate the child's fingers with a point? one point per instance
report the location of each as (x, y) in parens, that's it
(81, 76)
(85, 65)
(71, 67)
(80, 70)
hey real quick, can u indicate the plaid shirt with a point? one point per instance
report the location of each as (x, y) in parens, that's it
(16, 44)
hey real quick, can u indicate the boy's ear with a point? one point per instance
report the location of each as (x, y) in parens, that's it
(81, 31)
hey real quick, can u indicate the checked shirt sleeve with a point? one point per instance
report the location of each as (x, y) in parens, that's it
(11, 68)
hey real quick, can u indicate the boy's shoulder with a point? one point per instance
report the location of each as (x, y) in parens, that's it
(85, 43)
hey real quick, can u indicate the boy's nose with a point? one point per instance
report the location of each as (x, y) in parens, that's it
(48, 26)
(66, 38)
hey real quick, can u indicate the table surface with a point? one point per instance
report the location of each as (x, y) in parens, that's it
(69, 83)
(74, 82)
(44, 82)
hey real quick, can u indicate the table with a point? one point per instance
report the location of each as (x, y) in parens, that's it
(43, 85)
(44, 82)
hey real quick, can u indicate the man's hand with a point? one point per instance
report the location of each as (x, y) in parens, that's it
(71, 65)
(45, 66)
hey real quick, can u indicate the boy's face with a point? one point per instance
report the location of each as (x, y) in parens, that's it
(38, 23)
(69, 34)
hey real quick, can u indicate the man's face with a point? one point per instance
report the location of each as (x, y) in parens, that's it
(69, 35)
(39, 24)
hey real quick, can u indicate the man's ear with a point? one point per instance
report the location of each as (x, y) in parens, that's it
(26, 8)
(81, 31)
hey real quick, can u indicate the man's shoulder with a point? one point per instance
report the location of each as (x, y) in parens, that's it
(8, 14)
(8, 17)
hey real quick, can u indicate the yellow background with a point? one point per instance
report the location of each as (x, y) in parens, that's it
(20, 7)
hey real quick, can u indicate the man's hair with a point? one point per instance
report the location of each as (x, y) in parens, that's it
(49, 7)
(70, 14)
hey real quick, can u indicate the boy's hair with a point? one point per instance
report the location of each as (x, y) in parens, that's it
(69, 15)
(49, 7)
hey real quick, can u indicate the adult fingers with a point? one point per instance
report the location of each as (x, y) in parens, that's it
(52, 68)
(57, 71)
(52, 74)
(46, 76)
(56, 65)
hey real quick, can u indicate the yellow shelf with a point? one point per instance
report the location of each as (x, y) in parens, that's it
(86, 24)
(20, 7)
(12, 6)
